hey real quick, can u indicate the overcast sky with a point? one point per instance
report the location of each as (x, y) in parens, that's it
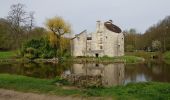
(83, 14)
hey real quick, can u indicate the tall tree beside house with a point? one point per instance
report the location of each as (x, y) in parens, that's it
(58, 27)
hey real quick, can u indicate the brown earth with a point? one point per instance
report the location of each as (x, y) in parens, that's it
(14, 95)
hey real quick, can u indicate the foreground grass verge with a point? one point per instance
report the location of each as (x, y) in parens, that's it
(138, 91)
(28, 84)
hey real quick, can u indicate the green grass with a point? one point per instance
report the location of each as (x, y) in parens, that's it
(7, 54)
(137, 91)
(28, 84)
(122, 59)
(144, 54)
(166, 55)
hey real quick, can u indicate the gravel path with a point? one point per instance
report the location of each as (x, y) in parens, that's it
(13, 95)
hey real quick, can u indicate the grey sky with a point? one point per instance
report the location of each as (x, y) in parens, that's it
(82, 14)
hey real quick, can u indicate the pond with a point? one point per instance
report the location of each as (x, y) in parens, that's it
(92, 73)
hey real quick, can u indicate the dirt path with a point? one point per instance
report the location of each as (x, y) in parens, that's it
(13, 95)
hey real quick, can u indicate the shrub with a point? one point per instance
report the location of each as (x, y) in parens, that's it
(37, 48)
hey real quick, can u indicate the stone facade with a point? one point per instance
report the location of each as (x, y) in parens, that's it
(107, 40)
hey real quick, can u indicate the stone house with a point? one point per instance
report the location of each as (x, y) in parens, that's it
(107, 40)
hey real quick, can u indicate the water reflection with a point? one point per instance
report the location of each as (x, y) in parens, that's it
(87, 73)
(96, 74)
(38, 70)
(158, 72)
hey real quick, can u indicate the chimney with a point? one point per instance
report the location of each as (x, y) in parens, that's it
(110, 21)
(98, 25)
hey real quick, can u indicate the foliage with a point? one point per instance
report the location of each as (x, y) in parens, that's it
(17, 28)
(58, 27)
(6, 41)
(160, 32)
(19, 19)
(132, 40)
(37, 48)
(156, 45)
(129, 48)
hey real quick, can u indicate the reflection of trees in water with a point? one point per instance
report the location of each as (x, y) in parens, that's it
(111, 73)
(39, 70)
(147, 72)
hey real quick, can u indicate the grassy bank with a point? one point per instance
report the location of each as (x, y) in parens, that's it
(7, 54)
(139, 91)
(122, 59)
(146, 55)
(166, 57)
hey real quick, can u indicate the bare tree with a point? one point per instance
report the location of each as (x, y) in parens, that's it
(17, 17)
(31, 21)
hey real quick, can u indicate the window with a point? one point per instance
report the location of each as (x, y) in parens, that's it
(89, 38)
(101, 47)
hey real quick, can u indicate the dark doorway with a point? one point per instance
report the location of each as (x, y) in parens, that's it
(97, 55)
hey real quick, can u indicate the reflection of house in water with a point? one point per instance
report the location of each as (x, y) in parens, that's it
(113, 74)
(108, 75)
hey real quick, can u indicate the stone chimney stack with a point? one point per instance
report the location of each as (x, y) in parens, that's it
(98, 24)
(110, 21)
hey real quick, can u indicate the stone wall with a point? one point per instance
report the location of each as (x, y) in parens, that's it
(103, 42)
(79, 44)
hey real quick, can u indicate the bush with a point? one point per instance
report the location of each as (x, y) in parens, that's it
(37, 48)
